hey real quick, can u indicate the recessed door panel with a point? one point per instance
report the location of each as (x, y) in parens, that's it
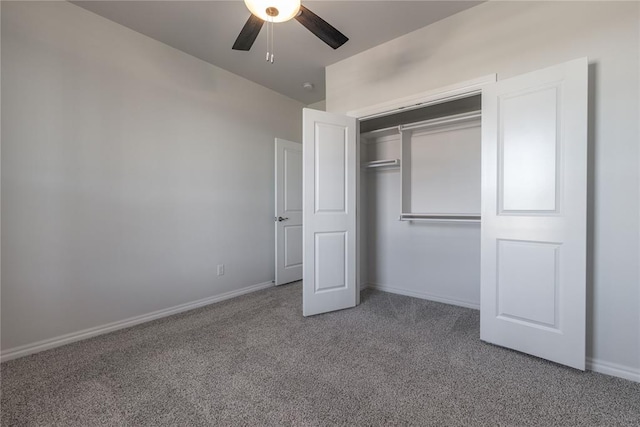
(528, 149)
(293, 246)
(331, 266)
(292, 180)
(330, 157)
(527, 282)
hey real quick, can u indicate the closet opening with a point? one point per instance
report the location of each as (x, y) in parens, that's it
(420, 202)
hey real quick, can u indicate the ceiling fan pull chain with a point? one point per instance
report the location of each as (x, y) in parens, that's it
(272, 43)
(267, 58)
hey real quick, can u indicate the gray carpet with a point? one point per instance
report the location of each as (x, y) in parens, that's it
(255, 360)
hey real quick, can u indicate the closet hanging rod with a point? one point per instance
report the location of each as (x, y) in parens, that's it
(427, 123)
(442, 121)
(439, 217)
(381, 163)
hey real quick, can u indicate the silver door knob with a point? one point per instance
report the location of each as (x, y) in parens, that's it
(280, 219)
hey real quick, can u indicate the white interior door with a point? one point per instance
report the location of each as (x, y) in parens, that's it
(330, 169)
(534, 164)
(288, 216)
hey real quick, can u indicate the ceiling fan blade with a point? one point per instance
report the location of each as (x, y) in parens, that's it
(248, 33)
(321, 28)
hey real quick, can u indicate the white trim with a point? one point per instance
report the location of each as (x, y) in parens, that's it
(434, 96)
(27, 349)
(613, 369)
(422, 295)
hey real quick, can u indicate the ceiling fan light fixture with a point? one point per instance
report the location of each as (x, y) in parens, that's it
(273, 10)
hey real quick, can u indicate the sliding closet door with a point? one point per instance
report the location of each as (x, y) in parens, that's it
(533, 239)
(330, 169)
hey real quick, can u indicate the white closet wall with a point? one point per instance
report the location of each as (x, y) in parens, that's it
(445, 172)
(423, 259)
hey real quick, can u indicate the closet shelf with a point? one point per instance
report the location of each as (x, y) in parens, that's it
(391, 163)
(439, 217)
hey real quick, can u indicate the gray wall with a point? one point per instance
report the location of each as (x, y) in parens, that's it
(129, 171)
(320, 105)
(510, 38)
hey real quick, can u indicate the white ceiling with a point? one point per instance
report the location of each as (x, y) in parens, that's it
(207, 30)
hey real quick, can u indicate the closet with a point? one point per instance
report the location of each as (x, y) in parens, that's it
(394, 198)
(420, 202)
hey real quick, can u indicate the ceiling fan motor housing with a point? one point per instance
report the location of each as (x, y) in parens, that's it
(274, 10)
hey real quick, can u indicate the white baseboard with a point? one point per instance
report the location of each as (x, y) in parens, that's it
(27, 349)
(613, 369)
(421, 295)
(594, 365)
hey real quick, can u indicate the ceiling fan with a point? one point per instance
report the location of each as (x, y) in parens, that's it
(274, 11)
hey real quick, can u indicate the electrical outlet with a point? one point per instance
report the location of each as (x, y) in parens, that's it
(220, 269)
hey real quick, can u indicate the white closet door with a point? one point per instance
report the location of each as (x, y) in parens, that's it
(330, 167)
(534, 163)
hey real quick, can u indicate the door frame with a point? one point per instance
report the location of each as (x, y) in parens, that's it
(434, 96)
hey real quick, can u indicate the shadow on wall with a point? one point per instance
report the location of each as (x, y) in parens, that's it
(396, 60)
(391, 64)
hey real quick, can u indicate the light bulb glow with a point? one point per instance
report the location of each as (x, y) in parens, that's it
(287, 9)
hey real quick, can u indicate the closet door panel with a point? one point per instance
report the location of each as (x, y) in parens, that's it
(533, 236)
(330, 172)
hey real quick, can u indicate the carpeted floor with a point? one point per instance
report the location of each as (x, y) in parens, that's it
(255, 360)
